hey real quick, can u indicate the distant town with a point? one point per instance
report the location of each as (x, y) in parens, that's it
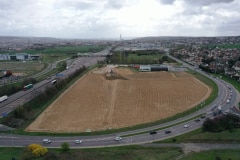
(212, 54)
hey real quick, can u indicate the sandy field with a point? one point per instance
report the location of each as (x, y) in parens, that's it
(101, 100)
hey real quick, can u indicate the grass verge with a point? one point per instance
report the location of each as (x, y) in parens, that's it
(224, 154)
(198, 136)
(116, 153)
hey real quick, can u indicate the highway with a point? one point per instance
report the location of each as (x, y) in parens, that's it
(139, 136)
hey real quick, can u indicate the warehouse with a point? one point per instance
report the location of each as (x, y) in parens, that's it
(159, 68)
(151, 68)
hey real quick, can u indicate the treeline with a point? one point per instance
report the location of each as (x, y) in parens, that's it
(221, 123)
(138, 57)
(13, 88)
(10, 89)
(29, 110)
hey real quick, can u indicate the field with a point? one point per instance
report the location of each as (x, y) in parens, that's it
(67, 49)
(100, 100)
(22, 68)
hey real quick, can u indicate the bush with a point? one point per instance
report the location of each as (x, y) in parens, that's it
(37, 150)
(65, 147)
(221, 123)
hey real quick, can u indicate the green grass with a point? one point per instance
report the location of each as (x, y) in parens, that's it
(201, 137)
(67, 49)
(129, 153)
(229, 80)
(6, 153)
(227, 46)
(27, 68)
(112, 153)
(120, 58)
(226, 154)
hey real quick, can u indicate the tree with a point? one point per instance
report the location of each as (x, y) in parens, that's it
(37, 150)
(65, 147)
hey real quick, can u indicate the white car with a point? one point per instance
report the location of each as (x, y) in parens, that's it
(118, 138)
(186, 125)
(78, 141)
(47, 141)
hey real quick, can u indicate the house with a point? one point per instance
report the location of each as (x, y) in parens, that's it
(236, 66)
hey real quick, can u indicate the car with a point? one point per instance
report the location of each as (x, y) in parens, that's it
(197, 120)
(78, 141)
(186, 125)
(167, 132)
(118, 138)
(46, 141)
(153, 132)
(203, 116)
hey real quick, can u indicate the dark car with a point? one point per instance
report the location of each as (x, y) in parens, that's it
(197, 120)
(167, 132)
(203, 116)
(153, 132)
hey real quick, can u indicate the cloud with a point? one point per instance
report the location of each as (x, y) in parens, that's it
(118, 4)
(78, 5)
(106, 18)
(207, 2)
(168, 2)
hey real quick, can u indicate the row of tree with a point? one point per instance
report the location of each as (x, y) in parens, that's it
(27, 111)
(37, 151)
(221, 122)
(124, 58)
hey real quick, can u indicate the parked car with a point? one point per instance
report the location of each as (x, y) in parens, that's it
(78, 141)
(46, 141)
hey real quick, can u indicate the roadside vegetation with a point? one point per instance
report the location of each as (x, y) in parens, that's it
(116, 153)
(228, 154)
(121, 153)
(26, 113)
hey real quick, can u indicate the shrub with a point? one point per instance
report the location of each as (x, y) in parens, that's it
(37, 150)
(65, 147)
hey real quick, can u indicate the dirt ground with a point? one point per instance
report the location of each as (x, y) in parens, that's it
(102, 100)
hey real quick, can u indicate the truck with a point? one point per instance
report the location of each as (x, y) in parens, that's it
(5, 73)
(3, 98)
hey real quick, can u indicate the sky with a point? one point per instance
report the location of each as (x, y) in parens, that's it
(90, 19)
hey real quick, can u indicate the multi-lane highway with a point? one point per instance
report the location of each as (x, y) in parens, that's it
(139, 136)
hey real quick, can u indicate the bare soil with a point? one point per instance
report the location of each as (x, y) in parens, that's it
(102, 100)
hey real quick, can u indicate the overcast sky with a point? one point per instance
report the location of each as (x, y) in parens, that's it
(110, 18)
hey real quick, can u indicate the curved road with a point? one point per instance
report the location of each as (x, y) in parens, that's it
(142, 135)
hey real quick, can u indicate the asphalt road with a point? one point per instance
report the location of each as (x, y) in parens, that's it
(144, 137)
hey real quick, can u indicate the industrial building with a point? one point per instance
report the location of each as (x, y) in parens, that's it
(151, 68)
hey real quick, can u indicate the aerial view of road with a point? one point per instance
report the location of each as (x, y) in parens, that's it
(140, 136)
